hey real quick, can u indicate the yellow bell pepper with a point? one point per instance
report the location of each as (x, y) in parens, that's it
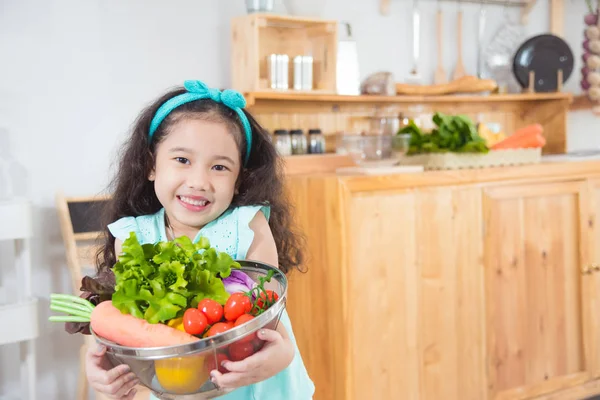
(176, 323)
(181, 375)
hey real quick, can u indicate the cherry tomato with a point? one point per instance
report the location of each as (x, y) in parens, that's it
(212, 310)
(237, 304)
(270, 298)
(257, 343)
(229, 324)
(194, 321)
(240, 350)
(210, 364)
(217, 328)
(241, 320)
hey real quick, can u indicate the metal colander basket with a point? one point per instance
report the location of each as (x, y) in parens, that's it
(182, 372)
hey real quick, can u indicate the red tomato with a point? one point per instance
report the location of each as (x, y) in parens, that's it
(237, 305)
(194, 321)
(229, 324)
(217, 328)
(212, 310)
(257, 343)
(211, 365)
(270, 298)
(240, 350)
(241, 320)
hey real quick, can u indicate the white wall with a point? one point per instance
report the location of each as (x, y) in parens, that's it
(73, 75)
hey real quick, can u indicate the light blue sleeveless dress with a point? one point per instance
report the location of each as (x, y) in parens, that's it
(230, 233)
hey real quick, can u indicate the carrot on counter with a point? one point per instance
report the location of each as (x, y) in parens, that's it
(111, 324)
(523, 138)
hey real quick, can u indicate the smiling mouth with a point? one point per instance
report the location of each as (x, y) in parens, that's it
(193, 202)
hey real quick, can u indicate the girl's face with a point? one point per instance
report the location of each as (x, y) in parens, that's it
(195, 174)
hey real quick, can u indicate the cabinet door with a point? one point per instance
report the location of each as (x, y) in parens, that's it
(415, 304)
(535, 246)
(591, 274)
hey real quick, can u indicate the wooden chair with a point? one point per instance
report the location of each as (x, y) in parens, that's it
(81, 228)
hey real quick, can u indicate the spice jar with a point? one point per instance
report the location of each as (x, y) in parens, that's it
(316, 142)
(283, 142)
(298, 141)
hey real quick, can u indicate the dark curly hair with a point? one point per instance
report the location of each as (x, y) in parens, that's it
(260, 181)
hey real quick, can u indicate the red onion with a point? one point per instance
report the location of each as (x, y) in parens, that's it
(585, 85)
(591, 19)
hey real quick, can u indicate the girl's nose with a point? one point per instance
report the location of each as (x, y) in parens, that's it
(199, 179)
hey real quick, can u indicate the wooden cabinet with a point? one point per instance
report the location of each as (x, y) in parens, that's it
(452, 286)
(535, 246)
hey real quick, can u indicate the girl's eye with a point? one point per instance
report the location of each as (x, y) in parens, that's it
(182, 160)
(220, 168)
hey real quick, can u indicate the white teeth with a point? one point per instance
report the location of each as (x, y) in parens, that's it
(193, 202)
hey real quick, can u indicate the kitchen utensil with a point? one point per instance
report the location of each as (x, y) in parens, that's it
(498, 54)
(440, 74)
(186, 367)
(384, 7)
(401, 143)
(467, 84)
(367, 150)
(253, 6)
(480, 34)
(414, 77)
(347, 71)
(459, 71)
(545, 55)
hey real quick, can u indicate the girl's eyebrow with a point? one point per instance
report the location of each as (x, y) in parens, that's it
(179, 149)
(220, 157)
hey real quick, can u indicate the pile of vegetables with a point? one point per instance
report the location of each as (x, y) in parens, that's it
(171, 293)
(452, 134)
(460, 135)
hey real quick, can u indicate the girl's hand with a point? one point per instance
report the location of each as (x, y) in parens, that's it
(276, 354)
(117, 382)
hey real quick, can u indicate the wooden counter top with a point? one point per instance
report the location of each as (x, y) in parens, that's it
(538, 173)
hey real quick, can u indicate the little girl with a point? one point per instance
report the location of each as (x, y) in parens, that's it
(197, 164)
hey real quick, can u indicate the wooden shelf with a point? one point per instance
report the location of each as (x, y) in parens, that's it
(582, 102)
(253, 97)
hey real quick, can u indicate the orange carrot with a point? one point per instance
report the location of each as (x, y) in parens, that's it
(124, 329)
(527, 137)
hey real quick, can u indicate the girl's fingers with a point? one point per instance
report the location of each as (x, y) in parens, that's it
(245, 365)
(269, 335)
(117, 386)
(97, 351)
(229, 380)
(118, 372)
(126, 389)
(130, 395)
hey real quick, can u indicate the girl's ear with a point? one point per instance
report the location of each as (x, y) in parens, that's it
(151, 176)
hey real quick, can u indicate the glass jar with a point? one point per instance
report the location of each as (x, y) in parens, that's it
(283, 142)
(316, 141)
(298, 142)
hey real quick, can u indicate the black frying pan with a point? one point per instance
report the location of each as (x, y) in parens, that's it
(544, 54)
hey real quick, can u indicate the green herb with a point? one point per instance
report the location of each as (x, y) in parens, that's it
(157, 282)
(452, 134)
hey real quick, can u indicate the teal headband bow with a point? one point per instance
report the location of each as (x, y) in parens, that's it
(198, 90)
